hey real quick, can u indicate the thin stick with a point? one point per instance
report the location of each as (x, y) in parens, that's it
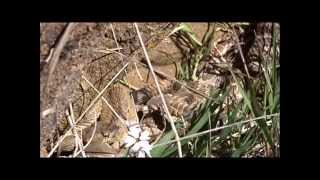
(110, 51)
(107, 51)
(115, 39)
(101, 155)
(81, 145)
(215, 129)
(71, 122)
(104, 100)
(88, 108)
(49, 56)
(159, 90)
(241, 54)
(184, 122)
(128, 85)
(78, 140)
(175, 80)
(162, 74)
(93, 133)
(78, 143)
(138, 72)
(102, 91)
(47, 112)
(125, 78)
(166, 76)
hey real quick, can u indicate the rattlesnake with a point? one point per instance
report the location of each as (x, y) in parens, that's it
(183, 103)
(180, 100)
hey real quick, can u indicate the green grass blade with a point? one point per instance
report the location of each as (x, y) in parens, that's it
(158, 151)
(204, 114)
(231, 119)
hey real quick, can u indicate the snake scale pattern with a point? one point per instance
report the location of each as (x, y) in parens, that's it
(180, 100)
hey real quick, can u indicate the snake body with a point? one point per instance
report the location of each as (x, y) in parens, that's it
(180, 100)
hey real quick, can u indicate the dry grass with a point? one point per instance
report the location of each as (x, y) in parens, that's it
(86, 110)
(160, 92)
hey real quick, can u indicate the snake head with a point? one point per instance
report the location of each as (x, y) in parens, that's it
(141, 96)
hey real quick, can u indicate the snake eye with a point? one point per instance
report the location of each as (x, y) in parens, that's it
(141, 96)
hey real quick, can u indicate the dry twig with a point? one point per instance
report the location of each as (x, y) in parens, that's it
(88, 108)
(240, 50)
(125, 78)
(105, 101)
(159, 90)
(85, 146)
